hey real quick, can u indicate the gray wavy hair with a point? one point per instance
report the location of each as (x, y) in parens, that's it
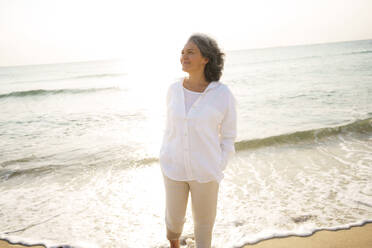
(210, 50)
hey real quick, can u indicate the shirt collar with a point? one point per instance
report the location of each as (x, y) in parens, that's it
(210, 86)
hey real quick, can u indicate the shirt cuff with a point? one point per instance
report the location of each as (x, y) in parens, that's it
(226, 157)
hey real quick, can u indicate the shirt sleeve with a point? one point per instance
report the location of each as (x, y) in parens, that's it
(228, 131)
(167, 118)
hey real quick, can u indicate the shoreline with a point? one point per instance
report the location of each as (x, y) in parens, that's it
(358, 236)
(353, 237)
(5, 243)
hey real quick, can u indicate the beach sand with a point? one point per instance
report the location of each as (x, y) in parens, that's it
(6, 244)
(355, 237)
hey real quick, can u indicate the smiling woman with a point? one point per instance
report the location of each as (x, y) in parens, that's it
(79, 142)
(198, 140)
(86, 132)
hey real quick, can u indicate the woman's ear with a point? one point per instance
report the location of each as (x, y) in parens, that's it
(206, 60)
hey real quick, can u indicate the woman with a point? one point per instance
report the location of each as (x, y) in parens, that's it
(198, 140)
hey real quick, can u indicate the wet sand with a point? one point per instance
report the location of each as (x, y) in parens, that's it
(355, 237)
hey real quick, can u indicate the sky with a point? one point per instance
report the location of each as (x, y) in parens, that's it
(57, 31)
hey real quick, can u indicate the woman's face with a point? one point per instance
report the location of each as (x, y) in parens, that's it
(192, 59)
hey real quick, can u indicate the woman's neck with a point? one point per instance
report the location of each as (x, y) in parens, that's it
(196, 82)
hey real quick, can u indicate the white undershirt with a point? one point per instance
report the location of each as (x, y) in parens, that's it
(190, 98)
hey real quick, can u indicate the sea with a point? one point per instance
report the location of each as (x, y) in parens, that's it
(79, 146)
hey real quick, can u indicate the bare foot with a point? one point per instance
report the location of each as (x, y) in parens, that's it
(174, 243)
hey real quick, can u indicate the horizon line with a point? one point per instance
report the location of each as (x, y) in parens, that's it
(229, 50)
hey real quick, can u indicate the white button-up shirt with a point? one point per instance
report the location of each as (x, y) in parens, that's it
(198, 144)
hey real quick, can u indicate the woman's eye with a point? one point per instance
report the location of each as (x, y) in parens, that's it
(189, 52)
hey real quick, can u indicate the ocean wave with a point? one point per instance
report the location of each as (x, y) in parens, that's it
(103, 75)
(358, 126)
(307, 57)
(280, 60)
(7, 173)
(327, 55)
(20, 160)
(358, 52)
(302, 233)
(55, 91)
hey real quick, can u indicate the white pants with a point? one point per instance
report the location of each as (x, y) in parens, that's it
(204, 205)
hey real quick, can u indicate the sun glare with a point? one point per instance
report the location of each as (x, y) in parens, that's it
(47, 31)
